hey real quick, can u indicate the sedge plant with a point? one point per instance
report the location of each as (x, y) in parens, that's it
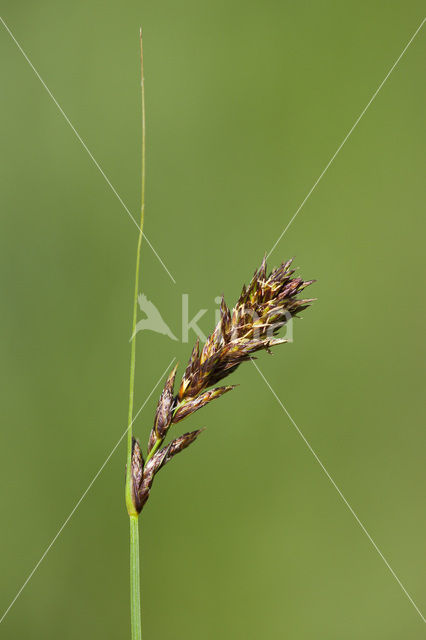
(269, 301)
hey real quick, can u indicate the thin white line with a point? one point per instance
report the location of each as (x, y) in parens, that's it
(347, 136)
(83, 496)
(79, 138)
(340, 494)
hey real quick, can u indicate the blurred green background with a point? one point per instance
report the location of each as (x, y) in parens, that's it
(244, 535)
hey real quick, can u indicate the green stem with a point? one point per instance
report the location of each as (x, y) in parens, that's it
(135, 604)
(135, 594)
(154, 449)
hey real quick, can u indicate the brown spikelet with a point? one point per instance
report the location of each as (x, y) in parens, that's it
(158, 461)
(191, 369)
(164, 413)
(137, 473)
(177, 445)
(193, 404)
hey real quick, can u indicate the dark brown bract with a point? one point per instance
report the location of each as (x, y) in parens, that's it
(262, 309)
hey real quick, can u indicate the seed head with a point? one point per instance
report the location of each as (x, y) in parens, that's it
(262, 309)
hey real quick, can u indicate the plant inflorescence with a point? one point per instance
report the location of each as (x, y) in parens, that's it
(262, 309)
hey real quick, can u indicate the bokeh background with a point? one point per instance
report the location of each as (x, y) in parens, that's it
(244, 535)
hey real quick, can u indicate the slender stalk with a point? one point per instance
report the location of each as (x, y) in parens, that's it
(135, 604)
(135, 593)
(154, 449)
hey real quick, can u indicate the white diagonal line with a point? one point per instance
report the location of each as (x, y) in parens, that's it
(85, 147)
(84, 494)
(333, 157)
(340, 493)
